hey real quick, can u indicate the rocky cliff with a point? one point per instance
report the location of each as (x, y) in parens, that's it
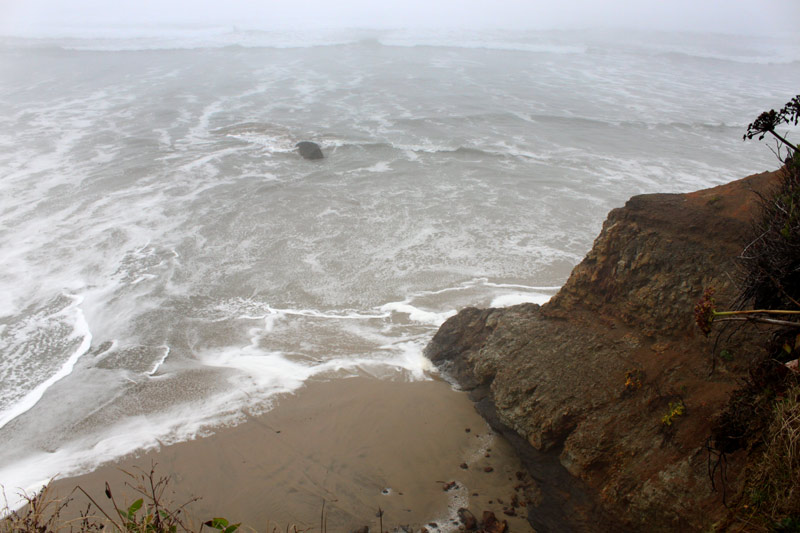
(608, 390)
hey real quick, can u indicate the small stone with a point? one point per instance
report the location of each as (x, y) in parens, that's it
(488, 469)
(468, 519)
(449, 485)
(492, 525)
(467, 430)
(464, 466)
(509, 511)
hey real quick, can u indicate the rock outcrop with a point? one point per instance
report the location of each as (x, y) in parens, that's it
(582, 385)
(309, 150)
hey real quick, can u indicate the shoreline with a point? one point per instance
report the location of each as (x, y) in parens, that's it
(358, 444)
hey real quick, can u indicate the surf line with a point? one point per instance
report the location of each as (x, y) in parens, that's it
(80, 329)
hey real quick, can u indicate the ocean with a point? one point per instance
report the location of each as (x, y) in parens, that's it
(169, 263)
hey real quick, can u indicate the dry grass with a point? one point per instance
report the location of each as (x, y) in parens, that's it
(43, 513)
(774, 486)
(770, 497)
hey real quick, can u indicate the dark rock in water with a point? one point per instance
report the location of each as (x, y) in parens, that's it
(364, 529)
(309, 150)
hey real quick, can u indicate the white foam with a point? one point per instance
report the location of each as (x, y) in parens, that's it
(518, 286)
(257, 376)
(507, 300)
(416, 314)
(160, 362)
(382, 166)
(80, 331)
(314, 313)
(132, 434)
(409, 355)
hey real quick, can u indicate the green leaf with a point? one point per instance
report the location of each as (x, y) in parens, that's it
(231, 529)
(217, 523)
(135, 506)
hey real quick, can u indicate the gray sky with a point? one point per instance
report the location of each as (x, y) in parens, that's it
(42, 17)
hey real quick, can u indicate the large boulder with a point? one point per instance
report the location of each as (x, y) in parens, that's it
(580, 386)
(309, 150)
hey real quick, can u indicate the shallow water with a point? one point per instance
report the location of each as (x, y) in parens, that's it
(170, 263)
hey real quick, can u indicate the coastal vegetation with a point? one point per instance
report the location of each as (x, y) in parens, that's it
(151, 512)
(762, 418)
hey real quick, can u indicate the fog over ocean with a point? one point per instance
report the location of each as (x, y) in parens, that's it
(169, 263)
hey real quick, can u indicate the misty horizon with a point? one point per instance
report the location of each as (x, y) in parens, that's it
(45, 18)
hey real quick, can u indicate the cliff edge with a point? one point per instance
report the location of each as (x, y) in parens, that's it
(608, 391)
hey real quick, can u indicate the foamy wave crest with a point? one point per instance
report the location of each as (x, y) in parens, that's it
(416, 314)
(783, 56)
(134, 433)
(62, 331)
(459, 41)
(507, 300)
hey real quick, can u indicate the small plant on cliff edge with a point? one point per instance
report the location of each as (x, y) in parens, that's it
(675, 409)
(769, 120)
(633, 380)
(705, 314)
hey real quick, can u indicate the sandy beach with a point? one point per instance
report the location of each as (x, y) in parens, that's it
(357, 444)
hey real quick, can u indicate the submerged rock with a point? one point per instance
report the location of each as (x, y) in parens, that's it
(309, 150)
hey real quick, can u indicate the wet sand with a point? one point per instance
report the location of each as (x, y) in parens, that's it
(357, 444)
